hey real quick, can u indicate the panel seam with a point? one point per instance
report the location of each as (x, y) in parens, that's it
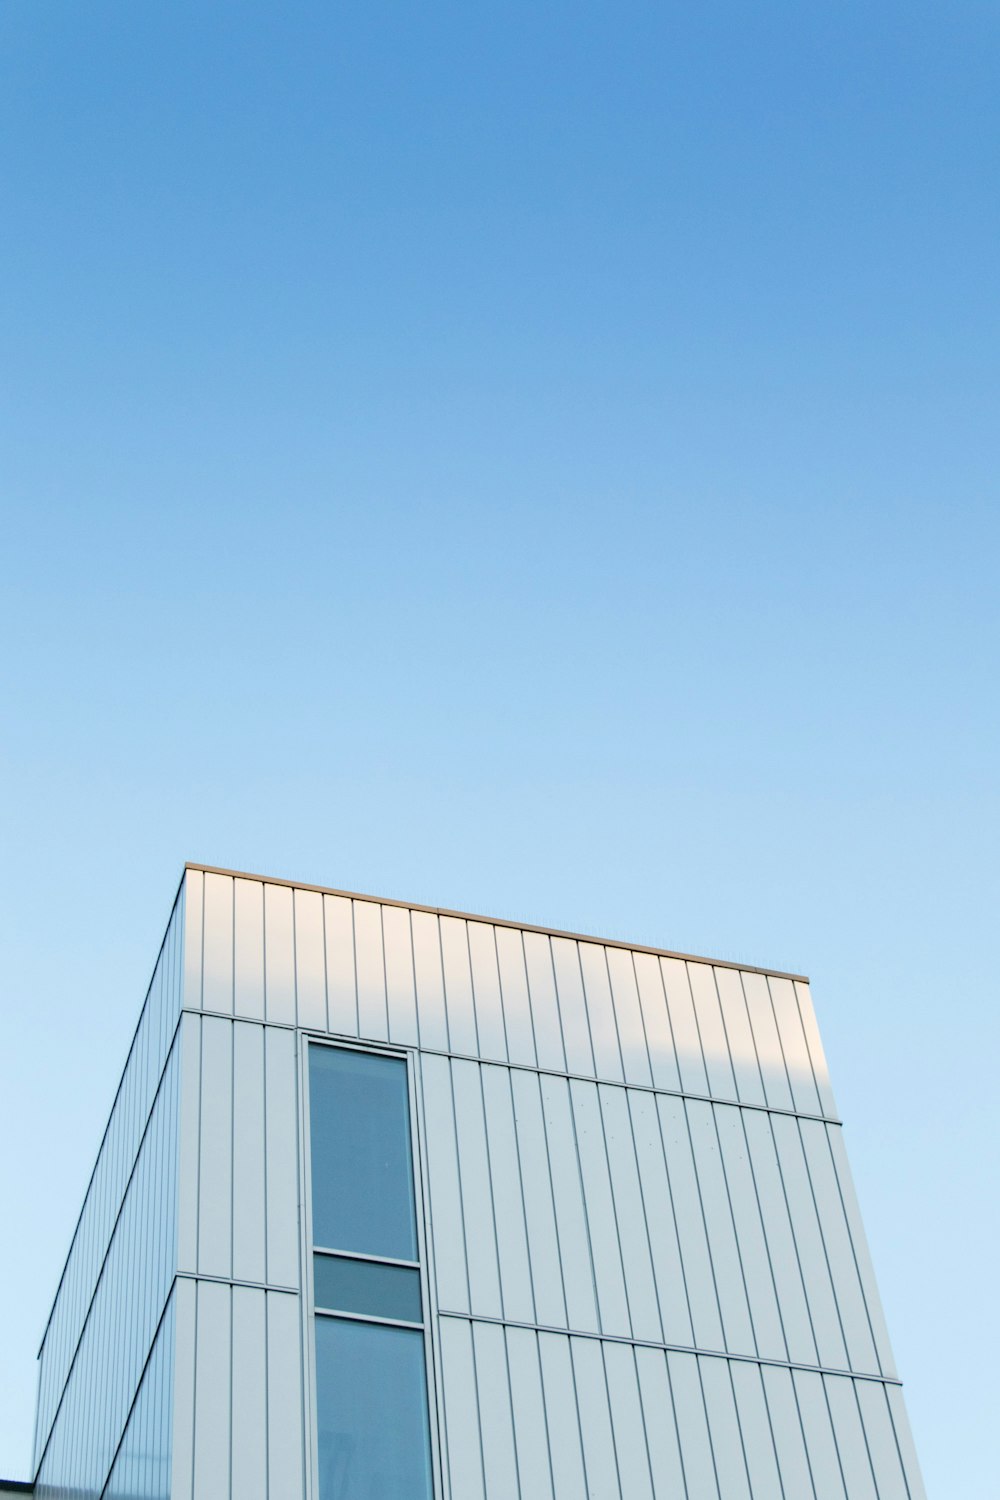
(671, 1348)
(525, 1067)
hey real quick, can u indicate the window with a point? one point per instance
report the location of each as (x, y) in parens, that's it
(371, 1385)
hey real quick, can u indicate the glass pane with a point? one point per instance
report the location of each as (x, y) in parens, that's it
(371, 1400)
(362, 1183)
(367, 1286)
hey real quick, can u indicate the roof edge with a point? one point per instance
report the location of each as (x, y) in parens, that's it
(471, 916)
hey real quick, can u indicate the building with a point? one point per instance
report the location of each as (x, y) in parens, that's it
(397, 1203)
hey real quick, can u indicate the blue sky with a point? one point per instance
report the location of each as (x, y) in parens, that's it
(540, 460)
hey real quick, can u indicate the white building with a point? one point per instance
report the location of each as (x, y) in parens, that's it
(397, 1203)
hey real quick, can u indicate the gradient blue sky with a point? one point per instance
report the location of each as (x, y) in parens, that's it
(539, 459)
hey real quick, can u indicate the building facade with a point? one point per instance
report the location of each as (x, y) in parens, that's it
(403, 1204)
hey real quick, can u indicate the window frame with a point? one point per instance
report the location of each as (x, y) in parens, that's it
(307, 1250)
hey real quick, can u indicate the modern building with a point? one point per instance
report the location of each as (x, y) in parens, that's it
(396, 1203)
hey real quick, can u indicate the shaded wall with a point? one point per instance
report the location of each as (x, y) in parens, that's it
(117, 1279)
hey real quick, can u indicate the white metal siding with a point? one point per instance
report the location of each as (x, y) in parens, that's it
(633, 1175)
(238, 1214)
(238, 1400)
(612, 1419)
(118, 1272)
(649, 1275)
(647, 1272)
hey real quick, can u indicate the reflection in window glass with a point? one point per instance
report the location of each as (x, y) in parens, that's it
(372, 1408)
(362, 1184)
(367, 1286)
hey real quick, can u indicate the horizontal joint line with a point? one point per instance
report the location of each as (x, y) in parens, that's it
(503, 1062)
(257, 1286)
(623, 1338)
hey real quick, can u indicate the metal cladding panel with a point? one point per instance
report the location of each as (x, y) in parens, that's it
(562, 1416)
(478, 1212)
(810, 1243)
(500, 1466)
(629, 1210)
(249, 1396)
(142, 1466)
(113, 1170)
(249, 1165)
(724, 1248)
(122, 1317)
(603, 1230)
(369, 960)
(659, 1422)
(443, 1183)
(691, 1223)
(431, 1013)
(534, 1465)
(547, 1284)
(785, 1425)
(851, 1303)
(401, 993)
(698, 1276)
(628, 1428)
(572, 1416)
(712, 1032)
(543, 1000)
(589, 1034)
(599, 1457)
(463, 1035)
(577, 1262)
(460, 1396)
(656, 1021)
(310, 960)
(782, 1250)
(684, 1025)
(794, 1048)
(279, 955)
(217, 944)
(507, 1184)
(645, 1268)
(859, 1248)
(821, 1447)
(237, 1429)
(248, 944)
(755, 1257)
(728, 1452)
(660, 1216)
(739, 1037)
(341, 986)
(490, 1028)
(238, 1204)
(517, 1017)
(814, 1046)
(631, 1026)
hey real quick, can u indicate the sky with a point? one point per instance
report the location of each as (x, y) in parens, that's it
(539, 460)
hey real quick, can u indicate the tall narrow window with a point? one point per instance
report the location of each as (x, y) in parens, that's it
(371, 1388)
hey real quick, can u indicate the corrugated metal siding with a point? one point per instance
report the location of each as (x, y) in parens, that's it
(633, 1174)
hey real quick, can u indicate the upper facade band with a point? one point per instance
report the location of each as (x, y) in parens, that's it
(525, 996)
(471, 916)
